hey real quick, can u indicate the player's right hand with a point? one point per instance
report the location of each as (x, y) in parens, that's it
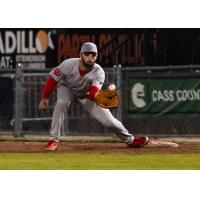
(43, 104)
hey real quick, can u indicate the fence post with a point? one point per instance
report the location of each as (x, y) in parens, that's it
(18, 100)
(118, 85)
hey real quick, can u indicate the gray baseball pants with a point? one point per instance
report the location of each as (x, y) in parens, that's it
(104, 116)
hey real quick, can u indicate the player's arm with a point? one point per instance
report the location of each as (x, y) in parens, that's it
(96, 86)
(47, 91)
(55, 76)
(92, 93)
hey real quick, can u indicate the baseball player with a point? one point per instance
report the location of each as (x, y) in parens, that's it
(81, 79)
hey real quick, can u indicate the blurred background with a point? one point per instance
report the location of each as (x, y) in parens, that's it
(131, 46)
(156, 71)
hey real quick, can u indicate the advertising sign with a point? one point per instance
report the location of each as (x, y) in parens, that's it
(28, 47)
(46, 48)
(166, 95)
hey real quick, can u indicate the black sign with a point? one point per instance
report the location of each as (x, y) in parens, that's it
(6, 98)
(46, 48)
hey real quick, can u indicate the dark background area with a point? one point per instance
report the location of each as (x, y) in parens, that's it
(125, 46)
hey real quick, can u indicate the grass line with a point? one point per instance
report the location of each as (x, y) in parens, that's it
(65, 161)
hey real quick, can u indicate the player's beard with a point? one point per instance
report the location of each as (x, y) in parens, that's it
(87, 64)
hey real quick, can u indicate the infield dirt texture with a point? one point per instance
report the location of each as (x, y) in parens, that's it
(97, 155)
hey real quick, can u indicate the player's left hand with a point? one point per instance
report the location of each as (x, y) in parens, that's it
(43, 104)
(107, 99)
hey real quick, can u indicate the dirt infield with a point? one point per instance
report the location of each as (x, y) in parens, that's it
(96, 147)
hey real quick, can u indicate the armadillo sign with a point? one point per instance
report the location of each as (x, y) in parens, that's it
(28, 47)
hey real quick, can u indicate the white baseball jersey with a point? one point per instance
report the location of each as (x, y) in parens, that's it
(69, 78)
(67, 74)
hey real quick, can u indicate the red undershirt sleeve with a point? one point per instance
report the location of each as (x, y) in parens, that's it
(48, 88)
(92, 91)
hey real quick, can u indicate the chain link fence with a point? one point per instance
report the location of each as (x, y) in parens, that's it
(176, 125)
(28, 119)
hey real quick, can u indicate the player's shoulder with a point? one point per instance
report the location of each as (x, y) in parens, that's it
(70, 61)
(98, 68)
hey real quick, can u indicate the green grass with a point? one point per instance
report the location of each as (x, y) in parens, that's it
(61, 161)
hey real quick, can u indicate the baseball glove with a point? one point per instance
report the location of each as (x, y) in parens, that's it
(107, 99)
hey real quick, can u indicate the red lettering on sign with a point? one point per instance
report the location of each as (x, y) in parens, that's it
(69, 45)
(114, 48)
